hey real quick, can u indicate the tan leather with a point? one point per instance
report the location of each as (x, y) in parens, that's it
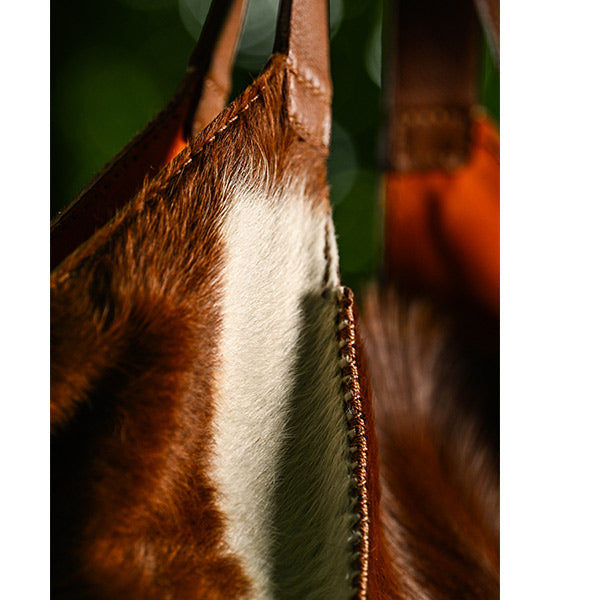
(442, 188)
(430, 83)
(303, 36)
(217, 83)
(162, 139)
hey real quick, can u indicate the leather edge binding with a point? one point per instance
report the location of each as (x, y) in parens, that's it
(353, 400)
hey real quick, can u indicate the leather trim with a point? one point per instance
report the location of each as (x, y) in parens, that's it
(354, 396)
(430, 138)
(302, 36)
(221, 54)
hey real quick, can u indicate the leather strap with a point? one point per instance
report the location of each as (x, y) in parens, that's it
(200, 97)
(214, 55)
(430, 86)
(303, 36)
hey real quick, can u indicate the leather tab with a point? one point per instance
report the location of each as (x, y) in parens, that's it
(303, 36)
(430, 88)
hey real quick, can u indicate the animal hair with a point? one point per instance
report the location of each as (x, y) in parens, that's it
(438, 460)
(199, 444)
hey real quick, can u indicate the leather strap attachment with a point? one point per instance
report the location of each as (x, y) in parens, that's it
(430, 84)
(303, 36)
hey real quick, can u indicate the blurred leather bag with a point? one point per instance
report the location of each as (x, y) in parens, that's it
(442, 153)
(209, 411)
(431, 327)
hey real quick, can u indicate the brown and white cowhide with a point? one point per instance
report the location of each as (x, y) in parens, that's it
(200, 441)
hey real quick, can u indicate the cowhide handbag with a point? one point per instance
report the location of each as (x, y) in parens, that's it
(211, 422)
(209, 414)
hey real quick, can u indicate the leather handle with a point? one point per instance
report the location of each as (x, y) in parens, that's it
(303, 37)
(430, 87)
(213, 59)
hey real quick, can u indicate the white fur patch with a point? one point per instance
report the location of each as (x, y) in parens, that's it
(280, 463)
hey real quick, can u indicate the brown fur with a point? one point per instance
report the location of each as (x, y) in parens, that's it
(134, 326)
(438, 457)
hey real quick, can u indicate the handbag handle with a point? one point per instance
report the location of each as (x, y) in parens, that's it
(303, 37)
(489, 15)
(214, 55)
(431, 81)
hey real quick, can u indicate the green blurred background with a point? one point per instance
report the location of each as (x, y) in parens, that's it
(114, 63)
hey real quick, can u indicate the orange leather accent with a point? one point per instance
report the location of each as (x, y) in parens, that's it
(177, 145)
(442, 228)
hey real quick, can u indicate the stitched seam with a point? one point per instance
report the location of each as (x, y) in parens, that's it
(304, 132)
(417, 118)
(214, 136)
(433, 160)
(308, 82)
(357, 440)
(432, 116)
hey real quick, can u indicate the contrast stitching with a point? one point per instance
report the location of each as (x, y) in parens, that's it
(432, 116)
(211, 139)
(305, 80)
(304, 132)
(357, 439)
